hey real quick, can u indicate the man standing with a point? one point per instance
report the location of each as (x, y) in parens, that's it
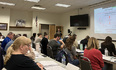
(54, 44)
(7, 39)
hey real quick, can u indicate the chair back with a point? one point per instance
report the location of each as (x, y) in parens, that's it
(50, 52)
(85, 63)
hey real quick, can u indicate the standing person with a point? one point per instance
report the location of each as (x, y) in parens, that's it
(75, 44)
(71, 50)
(7, 39)
(33, 37)
(109, 45)
(85, 41)
(55, 45)
(93, 54)
(38, 42)
(39, 38)
(44, 43)
(15, 59)
(59, 31)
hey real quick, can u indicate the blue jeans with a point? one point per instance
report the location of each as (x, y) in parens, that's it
(75, 62)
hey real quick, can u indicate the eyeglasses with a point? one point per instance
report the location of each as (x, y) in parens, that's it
(28, 45)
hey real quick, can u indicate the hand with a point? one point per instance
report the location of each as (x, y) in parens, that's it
(30, 49)
(40, 65)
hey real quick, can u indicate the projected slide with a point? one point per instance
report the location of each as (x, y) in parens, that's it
(105, 20)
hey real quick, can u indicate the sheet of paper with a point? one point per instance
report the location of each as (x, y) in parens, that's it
(71, 67)
(55, 68)
(48, 63)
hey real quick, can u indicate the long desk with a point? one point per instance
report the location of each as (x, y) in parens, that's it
(45, 60)
(108, 59)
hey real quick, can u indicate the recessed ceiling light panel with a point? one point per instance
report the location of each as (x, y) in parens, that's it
(6, 3)
(62, 5)
(32, 0)
(40, 8)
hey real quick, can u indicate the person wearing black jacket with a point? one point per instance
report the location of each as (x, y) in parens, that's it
(44, 43)
(109, 45)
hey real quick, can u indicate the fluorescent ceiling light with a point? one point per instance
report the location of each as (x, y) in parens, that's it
(62, 5)
(32, 0)
(5, 3)
(40, 8)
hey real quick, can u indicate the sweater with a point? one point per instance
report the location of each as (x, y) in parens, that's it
(95, 56)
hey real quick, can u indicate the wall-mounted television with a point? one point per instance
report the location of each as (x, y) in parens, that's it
(79, 20)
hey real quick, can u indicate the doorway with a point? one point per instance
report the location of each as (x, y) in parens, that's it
(48, 28)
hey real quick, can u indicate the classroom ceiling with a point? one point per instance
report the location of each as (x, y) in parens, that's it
(50, 5)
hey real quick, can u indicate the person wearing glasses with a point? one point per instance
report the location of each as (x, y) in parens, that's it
(15, 58)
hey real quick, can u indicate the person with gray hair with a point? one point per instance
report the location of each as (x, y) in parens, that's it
(10, 35)
(9, 43)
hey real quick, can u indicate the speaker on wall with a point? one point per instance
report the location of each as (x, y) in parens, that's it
(68, 30)
(81, 28)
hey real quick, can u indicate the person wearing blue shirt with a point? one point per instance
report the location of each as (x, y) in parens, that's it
(7, 39)
(10, 42)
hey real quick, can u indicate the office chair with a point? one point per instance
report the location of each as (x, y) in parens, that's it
(85, 63)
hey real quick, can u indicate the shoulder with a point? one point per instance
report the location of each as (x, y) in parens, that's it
(96, 51)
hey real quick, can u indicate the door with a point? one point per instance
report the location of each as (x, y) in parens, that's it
(52, 31)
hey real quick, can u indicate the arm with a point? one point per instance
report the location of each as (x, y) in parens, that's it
(62, 44)
(113, 48)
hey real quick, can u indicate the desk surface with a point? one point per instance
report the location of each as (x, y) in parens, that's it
(55, 63)
(1, 40)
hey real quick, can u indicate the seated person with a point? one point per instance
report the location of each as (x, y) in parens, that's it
(71, 50)
(10, 42)
(109, 45)
(55, 45)
(7, 39)
(15, 59)
(93, 54)
(85, 41)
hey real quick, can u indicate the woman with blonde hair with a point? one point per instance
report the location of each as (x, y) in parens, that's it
(93, 54)
(15, 58)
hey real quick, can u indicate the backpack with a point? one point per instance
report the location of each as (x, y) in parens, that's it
(60, 56)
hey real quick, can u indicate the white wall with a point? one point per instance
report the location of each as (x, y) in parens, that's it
(11, 15)
(66, 23)
(5, 18)
(24, 15)
(44, 18)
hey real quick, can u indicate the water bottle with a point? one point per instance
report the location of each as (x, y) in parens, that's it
(106, 52)
(63, 60)
(81, 46)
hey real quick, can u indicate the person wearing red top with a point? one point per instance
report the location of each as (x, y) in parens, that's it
(93, 54)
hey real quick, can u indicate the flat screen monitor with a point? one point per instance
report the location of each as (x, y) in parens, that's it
(79, 20)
